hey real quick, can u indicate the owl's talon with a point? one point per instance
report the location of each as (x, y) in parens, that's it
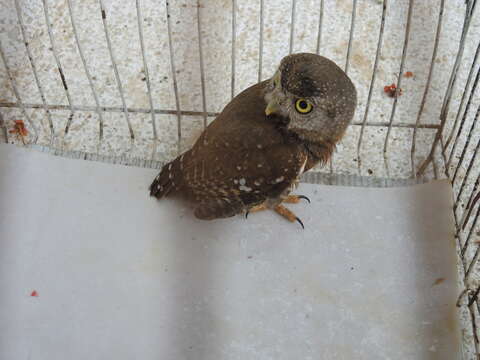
(256, 208)
(287, 214)
(304, 198)
(279, 209)
(300, 222)
(295, 199)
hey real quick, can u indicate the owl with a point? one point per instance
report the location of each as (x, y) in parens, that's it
(251, 156)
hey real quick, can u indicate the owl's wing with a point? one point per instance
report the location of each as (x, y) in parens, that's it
(227, 177)
(227, 200)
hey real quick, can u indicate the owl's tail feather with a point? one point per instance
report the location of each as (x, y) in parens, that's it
(166, 181)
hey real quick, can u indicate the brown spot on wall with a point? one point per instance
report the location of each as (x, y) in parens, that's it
(438, 281)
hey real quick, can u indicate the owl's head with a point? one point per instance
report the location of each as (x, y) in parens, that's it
(313, 96)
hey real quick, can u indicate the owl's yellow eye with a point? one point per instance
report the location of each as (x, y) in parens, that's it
(303, 106)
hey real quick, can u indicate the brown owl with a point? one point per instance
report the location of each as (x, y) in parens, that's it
(252, 155)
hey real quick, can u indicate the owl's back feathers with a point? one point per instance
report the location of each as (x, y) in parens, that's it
(239, 161)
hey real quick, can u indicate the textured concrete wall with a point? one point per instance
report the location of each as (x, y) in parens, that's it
(119, 77)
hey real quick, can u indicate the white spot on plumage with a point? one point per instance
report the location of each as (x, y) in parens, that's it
(259, 146)
(170, 175)
(239, 167)
(235, 181)
(169, 167)
(242, 181)
(259, 165)
(244, 188)
(279, 179)
(257, 182)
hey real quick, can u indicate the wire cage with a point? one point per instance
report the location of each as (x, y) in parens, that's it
(133, 82)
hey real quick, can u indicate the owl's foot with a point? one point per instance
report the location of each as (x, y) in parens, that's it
(295, 199)
(280, 209)
(257, 208)
(287, 214)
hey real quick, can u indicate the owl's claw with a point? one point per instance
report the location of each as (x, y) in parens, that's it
(255, 209)
(300, 222)
(288, 214)
(304, 197)
(281, 210)
(295, 199)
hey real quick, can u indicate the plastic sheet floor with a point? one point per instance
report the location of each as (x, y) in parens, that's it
(91, 267)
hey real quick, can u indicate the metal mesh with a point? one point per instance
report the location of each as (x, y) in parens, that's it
(132, 83)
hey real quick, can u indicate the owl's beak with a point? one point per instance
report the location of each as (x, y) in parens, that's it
(271, 108)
